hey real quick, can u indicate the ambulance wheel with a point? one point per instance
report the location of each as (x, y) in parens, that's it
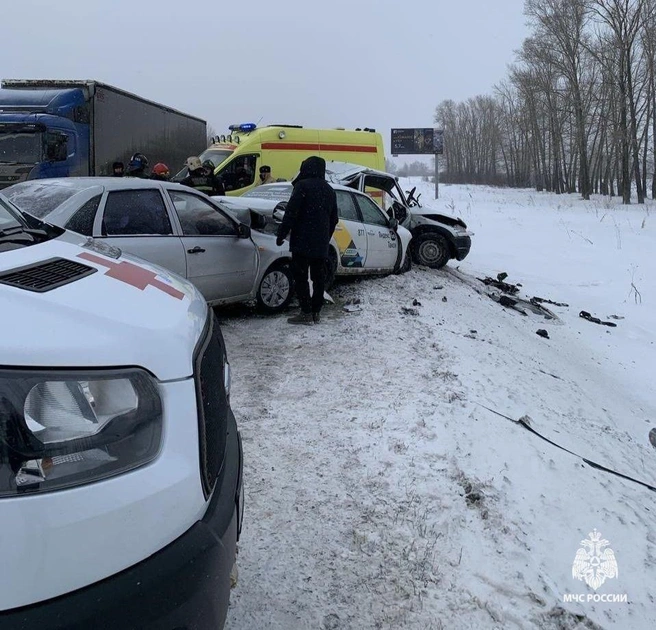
(276, 289)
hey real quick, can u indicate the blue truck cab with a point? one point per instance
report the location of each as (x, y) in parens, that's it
(43, 133)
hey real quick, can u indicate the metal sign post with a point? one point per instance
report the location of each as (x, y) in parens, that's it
(437, 176)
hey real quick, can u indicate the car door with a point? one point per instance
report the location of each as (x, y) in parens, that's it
(382, 241)
(350, 234)
(220, 263)
(138, 222)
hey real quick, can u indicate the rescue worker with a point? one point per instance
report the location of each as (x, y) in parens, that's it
(137, 166)
(209, 167)
(310, 220)
(199, 179)
(118, 169)
(244, 175)
(161, 172)
(265, 175)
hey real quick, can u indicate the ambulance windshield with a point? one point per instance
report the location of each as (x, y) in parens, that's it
(216, 156)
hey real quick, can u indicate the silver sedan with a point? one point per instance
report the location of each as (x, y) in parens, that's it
(174, 226)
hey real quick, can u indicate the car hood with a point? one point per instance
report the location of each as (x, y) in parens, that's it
(428, 216)
(238, 204)
(125, 313)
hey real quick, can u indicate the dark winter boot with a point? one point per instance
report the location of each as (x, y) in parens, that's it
(301, 318)
(316, 317)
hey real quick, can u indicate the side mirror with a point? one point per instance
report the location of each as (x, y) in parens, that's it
(258, 221)
(279, 212)
(243, 231)
(393, 223)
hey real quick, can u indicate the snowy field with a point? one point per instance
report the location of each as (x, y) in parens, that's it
(380, 491)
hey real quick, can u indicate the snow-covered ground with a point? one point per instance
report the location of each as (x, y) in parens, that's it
(381, 493)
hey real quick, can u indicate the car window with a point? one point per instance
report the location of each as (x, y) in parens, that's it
(131, 212)
(82, 221)
(371, 213)
(199, 217)
(346, 207)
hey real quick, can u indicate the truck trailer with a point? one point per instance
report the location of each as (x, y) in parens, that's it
(52, 128)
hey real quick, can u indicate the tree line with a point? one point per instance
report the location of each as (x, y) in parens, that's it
(577, 111)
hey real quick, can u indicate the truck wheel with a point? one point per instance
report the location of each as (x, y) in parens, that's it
(331, 269)
(431, 250)
(276, 289)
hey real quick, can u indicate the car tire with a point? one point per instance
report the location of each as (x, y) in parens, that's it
(407, 262)
(276, 288)
(331, 269)
(431, 250)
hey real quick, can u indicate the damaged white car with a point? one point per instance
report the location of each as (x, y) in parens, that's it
(436, 238)
(365, 242)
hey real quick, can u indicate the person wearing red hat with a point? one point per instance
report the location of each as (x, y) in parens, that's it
(161, 172)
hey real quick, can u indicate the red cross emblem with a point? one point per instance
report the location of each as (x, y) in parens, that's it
(133, 275)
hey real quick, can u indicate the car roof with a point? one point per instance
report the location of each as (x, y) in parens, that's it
(264, 187)
(83, 189)
(339, 170)
(109, 183)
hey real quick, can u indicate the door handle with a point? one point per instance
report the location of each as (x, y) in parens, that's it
(196, 250)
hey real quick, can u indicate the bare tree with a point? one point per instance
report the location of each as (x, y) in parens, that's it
(625, 20)
(578, 110)
(560, 42)
(211, 132)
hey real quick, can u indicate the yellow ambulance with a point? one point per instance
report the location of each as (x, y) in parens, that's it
(238, 156)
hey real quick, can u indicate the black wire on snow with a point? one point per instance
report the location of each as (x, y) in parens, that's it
(524, 423)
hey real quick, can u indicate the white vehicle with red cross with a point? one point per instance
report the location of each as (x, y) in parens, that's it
(121, 494)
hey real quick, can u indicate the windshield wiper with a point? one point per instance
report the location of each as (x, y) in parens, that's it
(11, 231)
(22, 234)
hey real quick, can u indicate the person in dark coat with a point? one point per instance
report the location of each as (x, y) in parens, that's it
(137, 166)
(310, 220)
(200, 179)
(118, 169)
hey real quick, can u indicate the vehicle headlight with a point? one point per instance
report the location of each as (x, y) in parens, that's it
(59, 430)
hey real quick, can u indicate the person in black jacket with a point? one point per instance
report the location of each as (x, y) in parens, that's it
(200, 179)
(137, 166)
(310, 220)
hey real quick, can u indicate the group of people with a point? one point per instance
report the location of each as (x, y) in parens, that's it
(200, 174)
(138, 167)
(309, 221)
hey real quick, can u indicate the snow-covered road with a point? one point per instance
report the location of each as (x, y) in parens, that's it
(381, 493)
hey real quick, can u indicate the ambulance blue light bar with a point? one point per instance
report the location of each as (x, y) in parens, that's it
(244, 127)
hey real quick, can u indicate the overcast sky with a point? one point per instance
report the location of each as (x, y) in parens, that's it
(335, 63)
